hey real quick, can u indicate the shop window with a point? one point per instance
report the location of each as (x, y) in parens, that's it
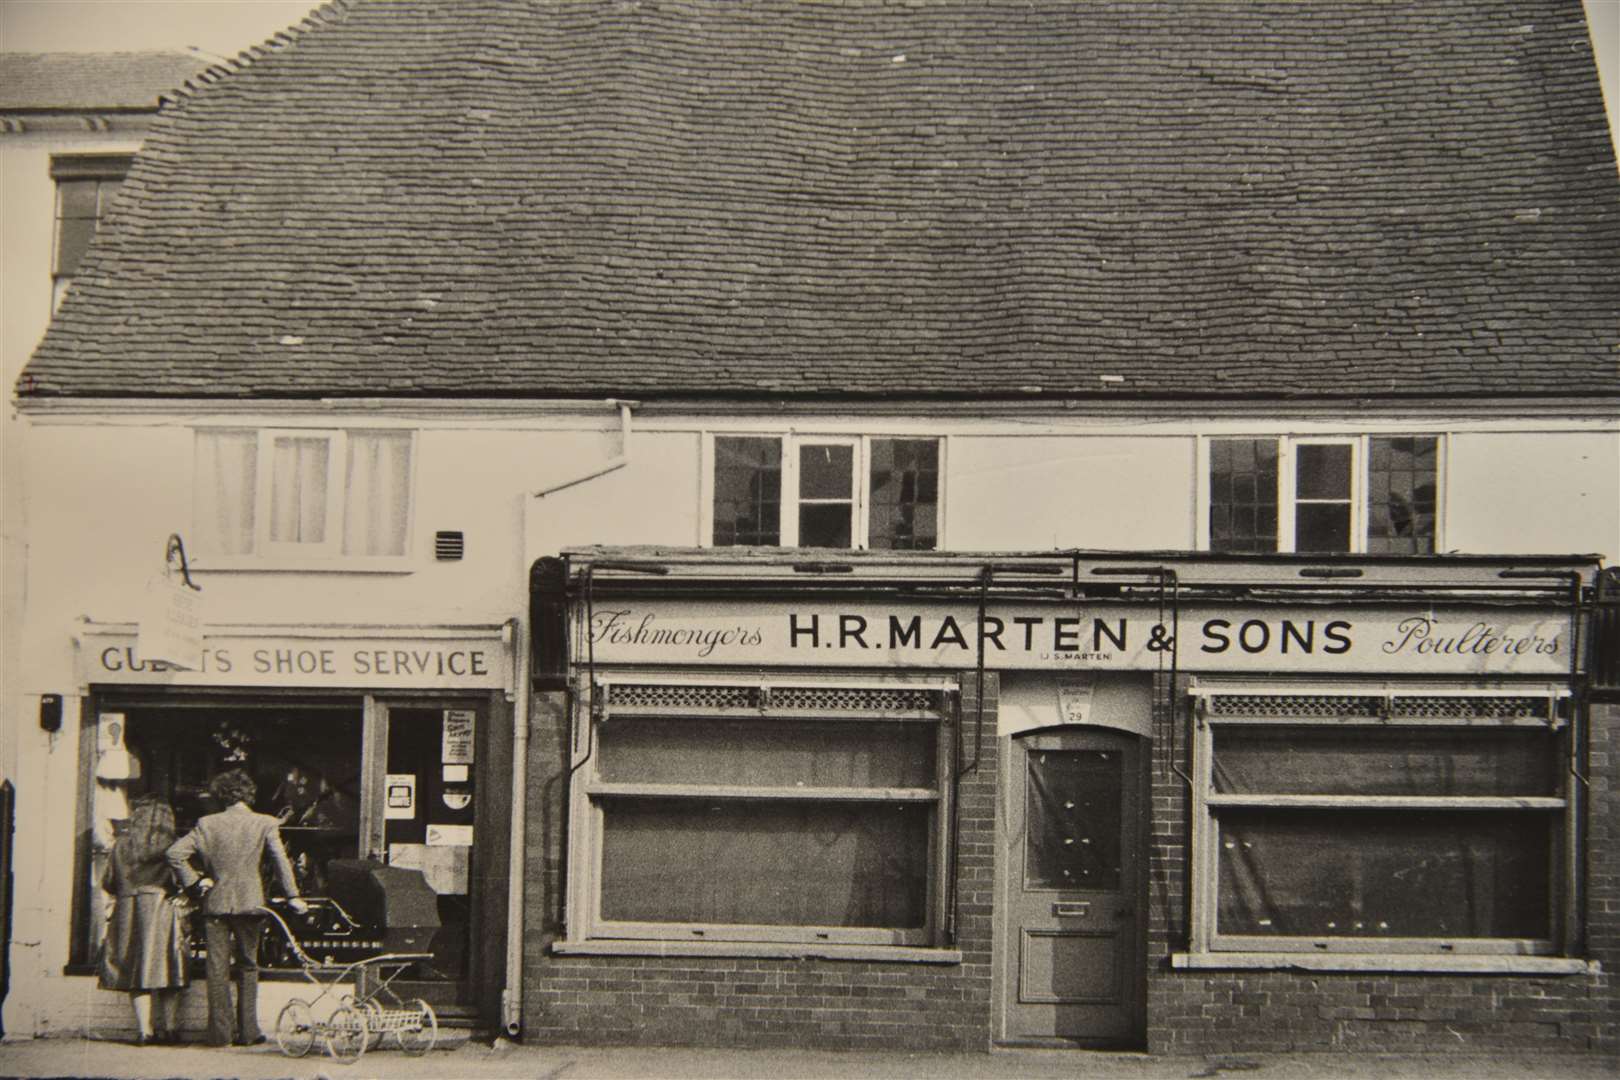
(752, 814)
(1425, 822)
(825, 491)
(305, 757)
(85, 186)
(1375, 494)
(302, 495)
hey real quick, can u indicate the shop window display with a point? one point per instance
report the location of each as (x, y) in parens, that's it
(306, 762)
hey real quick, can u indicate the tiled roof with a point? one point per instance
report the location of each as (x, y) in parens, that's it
(91, 81)
(686, 198)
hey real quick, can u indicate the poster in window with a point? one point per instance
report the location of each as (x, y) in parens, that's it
(458, 737)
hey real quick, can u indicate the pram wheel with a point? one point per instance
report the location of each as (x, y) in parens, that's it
(419, 1033)
(295, 1028)
(346, 1034)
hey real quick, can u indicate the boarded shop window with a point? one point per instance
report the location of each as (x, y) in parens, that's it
(781, 814)
(1381, 822)
(85, 186)
(825, 491)
(301, 494)
(1363, 494)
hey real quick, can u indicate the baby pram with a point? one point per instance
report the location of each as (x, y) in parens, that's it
(374, 1010)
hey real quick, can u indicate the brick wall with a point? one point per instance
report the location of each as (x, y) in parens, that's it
(748, 1001)
(1215, 1012)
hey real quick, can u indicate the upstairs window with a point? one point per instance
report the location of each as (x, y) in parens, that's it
(1375, 494)
(825, 491)
(296, 494)
(85, 186)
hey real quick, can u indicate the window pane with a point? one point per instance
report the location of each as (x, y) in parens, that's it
(904, 494)
(1360, 761)
(376, 499)
(298, 489)
(1074, 804)
(1322, 527)
(826, 472)
(1401, 496)
(1386, 874)
(1243, 495)
(771, 863)
(826, 525)
(1322, 471)
(227, 470)
(747, 490)
(774, 753)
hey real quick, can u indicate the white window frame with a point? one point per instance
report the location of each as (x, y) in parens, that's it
(791, 442)
(1209, 943)
(1288, 501)
(328, 554)
(588, 931)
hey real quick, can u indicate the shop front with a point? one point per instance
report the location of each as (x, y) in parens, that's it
(386, 754)
(951, 801)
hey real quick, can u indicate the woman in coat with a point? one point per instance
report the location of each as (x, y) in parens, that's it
(146, 953)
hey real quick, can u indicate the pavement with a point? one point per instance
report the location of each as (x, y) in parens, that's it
(460, 1057)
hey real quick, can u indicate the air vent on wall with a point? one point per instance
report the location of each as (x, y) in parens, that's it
(448, 546)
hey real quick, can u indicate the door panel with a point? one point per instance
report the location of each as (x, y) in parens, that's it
(431, 812)
(1071, 944)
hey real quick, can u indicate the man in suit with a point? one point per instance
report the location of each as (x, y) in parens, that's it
(230, 845)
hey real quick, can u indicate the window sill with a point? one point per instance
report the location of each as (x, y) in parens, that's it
(770, 950)
(1464, 965)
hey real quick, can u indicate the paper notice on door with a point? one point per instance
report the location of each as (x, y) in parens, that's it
(400, 796)
(444, 868)
(449, 835)
(458, 737)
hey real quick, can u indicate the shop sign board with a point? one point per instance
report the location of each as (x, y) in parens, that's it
(171, 624)
(1204, 638)
(251, 659)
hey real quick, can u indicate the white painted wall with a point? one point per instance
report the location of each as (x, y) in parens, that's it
(27, 240)
(1535, 493)
(1011, 492)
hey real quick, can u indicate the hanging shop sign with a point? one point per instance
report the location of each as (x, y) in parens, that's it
(420, 661)
(1422, 641)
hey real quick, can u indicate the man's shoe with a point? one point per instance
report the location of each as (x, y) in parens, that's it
(254, 1041)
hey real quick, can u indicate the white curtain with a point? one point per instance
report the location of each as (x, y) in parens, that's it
(377, 497)
(298, 489)
(227, 473)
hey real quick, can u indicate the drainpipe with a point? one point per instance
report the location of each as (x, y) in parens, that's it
(512, 993)
(617, 462)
